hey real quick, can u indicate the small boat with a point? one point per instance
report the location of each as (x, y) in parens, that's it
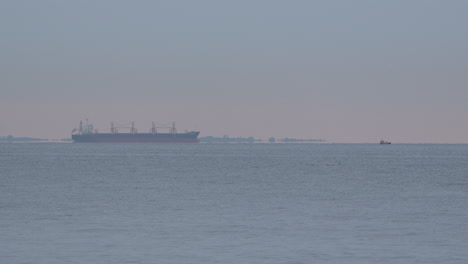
(385, 142)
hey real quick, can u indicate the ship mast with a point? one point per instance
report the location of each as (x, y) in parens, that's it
(133, 128)
(173, 129)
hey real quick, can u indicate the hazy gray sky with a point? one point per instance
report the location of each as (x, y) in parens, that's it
(344, 71)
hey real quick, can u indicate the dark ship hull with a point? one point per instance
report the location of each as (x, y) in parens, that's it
(189, 137)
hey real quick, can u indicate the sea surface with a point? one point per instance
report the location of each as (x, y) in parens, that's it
(233, 203)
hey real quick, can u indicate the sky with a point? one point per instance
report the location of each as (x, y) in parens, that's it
(344, 71)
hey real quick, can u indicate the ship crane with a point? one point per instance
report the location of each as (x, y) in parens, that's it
(172, 128)
(115, 127)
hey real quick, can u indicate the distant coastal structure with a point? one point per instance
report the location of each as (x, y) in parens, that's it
(297, 140)
(11, 138)
(226, 139)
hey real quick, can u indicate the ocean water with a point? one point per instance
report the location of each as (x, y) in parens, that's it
(233, 203)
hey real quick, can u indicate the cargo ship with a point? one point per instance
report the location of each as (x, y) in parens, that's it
(87, 133)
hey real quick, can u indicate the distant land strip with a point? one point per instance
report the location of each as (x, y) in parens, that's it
(207, 139)
(30, 139)
(226, 139)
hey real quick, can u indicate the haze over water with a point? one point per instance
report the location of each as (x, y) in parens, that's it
(345, 71)
(233, 203)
